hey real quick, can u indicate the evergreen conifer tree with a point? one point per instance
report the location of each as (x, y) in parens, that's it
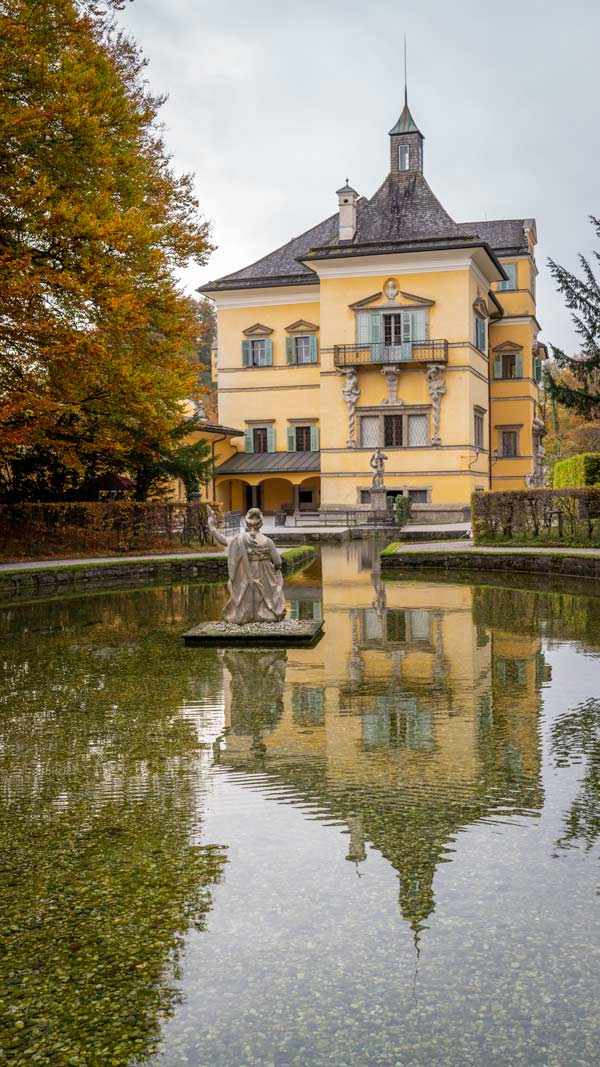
(579, 390)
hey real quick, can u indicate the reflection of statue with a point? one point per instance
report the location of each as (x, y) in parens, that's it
(351, 393)
(255, 579)
(377, 464)
(437, 388)
(257, 682)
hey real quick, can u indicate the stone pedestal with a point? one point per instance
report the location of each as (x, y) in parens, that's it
(378, 499)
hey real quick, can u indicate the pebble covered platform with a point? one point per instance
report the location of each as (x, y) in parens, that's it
(286, 633)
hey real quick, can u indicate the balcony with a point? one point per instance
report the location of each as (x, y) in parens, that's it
(378, 353)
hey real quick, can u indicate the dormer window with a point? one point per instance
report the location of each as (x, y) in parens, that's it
(403, 157)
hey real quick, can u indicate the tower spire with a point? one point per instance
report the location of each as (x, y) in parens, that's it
(406, 90)
(405, 82)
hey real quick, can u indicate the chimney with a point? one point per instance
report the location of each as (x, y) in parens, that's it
(347, 197)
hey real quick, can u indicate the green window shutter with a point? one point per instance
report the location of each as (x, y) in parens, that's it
(249, 441)
(270, 439)
(268, 352)
(313, 348)
(290, 350)
(522, 672)
(246, 353)
(537, 365)
(407, 327)
(291, 439)
(317, 615)
(374, 329)
(497, 366)
(419, 325)
(501, 671)
(518, 365)
(294, 609)
(362, 328)
(314, 438)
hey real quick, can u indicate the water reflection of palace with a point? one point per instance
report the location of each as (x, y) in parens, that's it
(411, 719)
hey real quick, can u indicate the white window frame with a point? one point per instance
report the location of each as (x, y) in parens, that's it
(513, 281)
(403, 157)
(258, 352)
(302, 349)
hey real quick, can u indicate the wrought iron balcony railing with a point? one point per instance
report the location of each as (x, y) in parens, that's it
(378, 353)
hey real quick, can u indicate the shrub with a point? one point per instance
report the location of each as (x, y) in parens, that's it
(577, 471)
(54, 529)
(538, 515)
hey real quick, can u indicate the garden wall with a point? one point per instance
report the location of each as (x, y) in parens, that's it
(36, 530)
(537, 517)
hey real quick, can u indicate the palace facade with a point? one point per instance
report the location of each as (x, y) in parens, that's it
(388, 324)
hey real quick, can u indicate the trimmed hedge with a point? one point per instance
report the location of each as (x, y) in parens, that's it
(577, 471)
(35, 530)
(537, 516)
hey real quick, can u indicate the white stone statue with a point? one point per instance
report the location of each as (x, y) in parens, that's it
(437, 388)
(255, 578)
(377, 464)
(351, 393)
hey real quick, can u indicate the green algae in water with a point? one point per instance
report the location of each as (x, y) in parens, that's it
(379, 851)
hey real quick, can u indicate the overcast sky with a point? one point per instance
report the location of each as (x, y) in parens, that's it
(272, 104)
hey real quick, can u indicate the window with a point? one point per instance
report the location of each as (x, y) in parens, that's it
(480, 339)
(397, 330)
(301, 349)
(257, 352)
(392, 431)
(369, 431)
(403, 157)
(508, 365)
(418, 426)
(260, 439)
(509, 440)
(399, 430)
(417, 496)
(306, 497)
(479, 430)
(303, 438)
(511, 270)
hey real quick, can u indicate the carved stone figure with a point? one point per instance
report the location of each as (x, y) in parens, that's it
(391, 374)
(377, 464)
(255, 578)
(437, 388)
(391, 289)
(536, 480)
(351, 393)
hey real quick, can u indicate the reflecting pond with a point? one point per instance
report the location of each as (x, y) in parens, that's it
(379, 851)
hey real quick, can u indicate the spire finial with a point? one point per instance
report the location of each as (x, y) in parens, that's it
(405, 86)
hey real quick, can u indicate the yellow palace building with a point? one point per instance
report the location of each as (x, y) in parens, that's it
(387, 325)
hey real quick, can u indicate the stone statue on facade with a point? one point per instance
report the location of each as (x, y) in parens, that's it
(351, 393)
(254, 568)
(391, 373)
(377, 464)
(437, 388)
(536, 480)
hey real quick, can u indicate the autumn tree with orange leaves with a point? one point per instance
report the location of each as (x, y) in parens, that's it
(96, 336)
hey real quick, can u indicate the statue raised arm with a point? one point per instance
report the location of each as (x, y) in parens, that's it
(254, 567)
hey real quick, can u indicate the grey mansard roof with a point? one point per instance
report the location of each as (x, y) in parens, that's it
(404, 214)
